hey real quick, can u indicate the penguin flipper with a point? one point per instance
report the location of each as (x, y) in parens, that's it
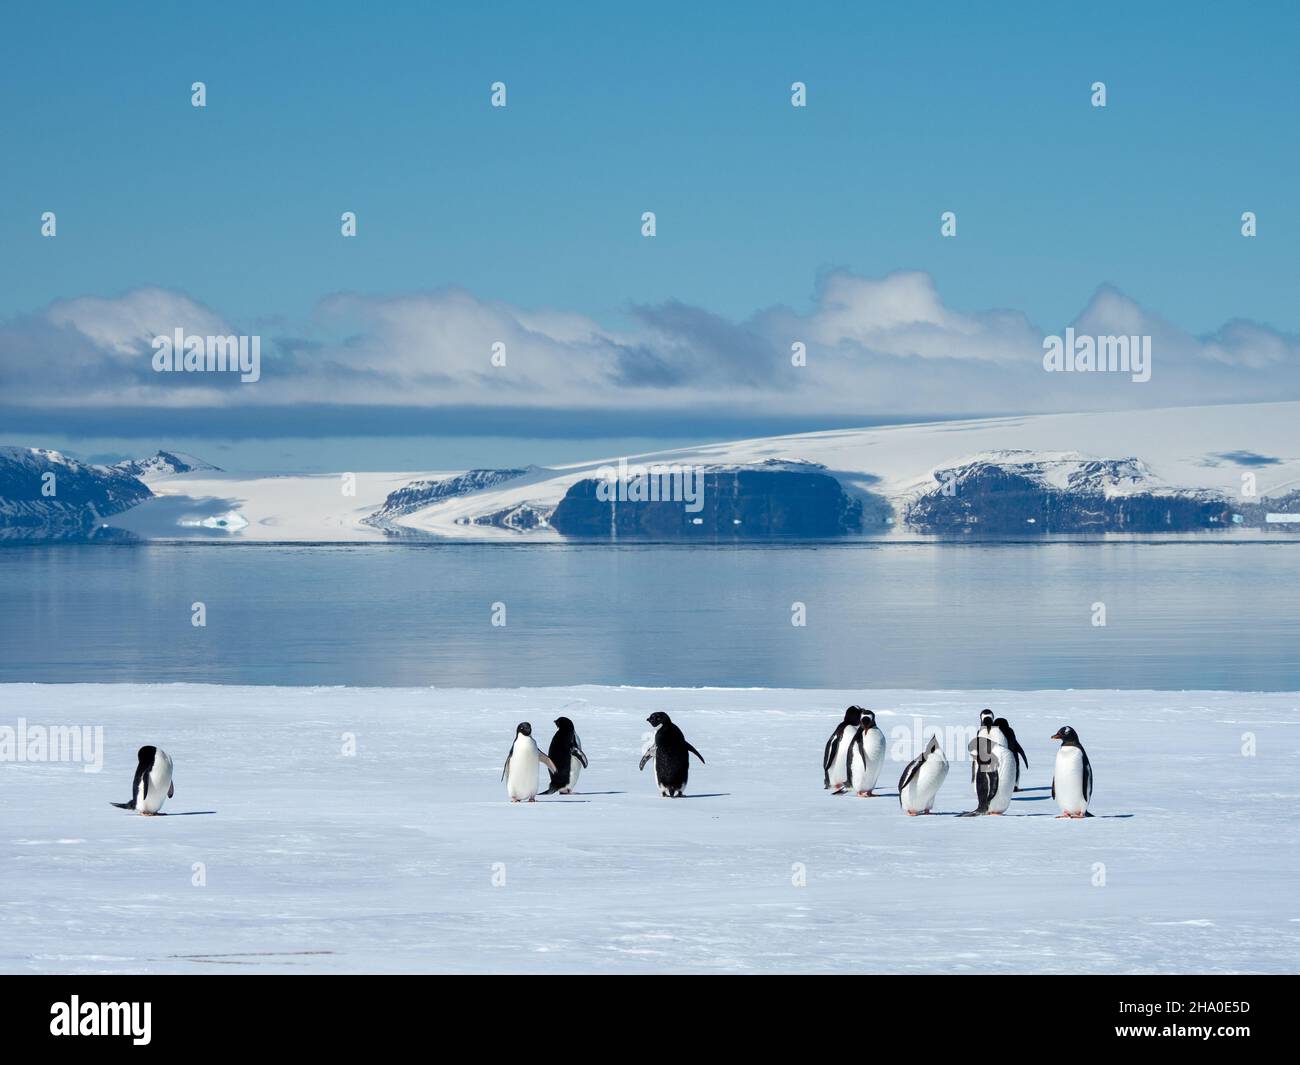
(506, 768)
(577, 753)
(697, 754)
(1087, 776)
(546, 761)
(828, 755)
(646, 757)
(171, 790)
(913, 767)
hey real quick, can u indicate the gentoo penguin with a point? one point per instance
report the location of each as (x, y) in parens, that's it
(152, 785)
(1072, 780)
(520, 771)
(922, 778)
(566, 754)
(866, 755)
(997, 770)
(1013, 745)
(670, 754)
(835, 758)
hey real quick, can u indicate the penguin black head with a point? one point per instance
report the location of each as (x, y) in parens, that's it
(1067, 736)
(146, 755)
(1003, 724)
(524, 729)
(853, 715)
(563, 723)
(868, 719)
(659, 718)
(986, 718)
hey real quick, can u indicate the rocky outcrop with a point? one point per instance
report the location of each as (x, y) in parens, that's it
(420, 494)
(772, 500)
(522, 517)
(1016, 493)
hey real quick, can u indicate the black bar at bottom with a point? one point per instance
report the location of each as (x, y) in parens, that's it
(333, 1013)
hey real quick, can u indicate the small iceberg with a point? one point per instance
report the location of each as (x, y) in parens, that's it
(232, 520)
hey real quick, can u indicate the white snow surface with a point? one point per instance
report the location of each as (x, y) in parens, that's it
(1181, 448)
(384, 861)
(276, 507)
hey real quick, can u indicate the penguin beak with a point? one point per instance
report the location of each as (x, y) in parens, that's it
(1055, 736)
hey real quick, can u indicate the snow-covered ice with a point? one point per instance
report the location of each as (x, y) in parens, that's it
(385, 861)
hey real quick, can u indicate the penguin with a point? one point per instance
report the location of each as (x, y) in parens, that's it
(986, 723)
(152, 785)
(999, 731)
(922, 778)
(1013, 745)
(1072, 778)
(521, 765)
(670, 754)
(566, 754)
(835, 757)
(996, 770)
(868, 744)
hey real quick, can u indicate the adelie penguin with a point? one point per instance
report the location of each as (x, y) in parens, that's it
(669, 751)
(152, 785)
(982, 733)
(1072, 779)
(866, 756)
(566, 757)
(999, 731)
(835, 759)
(522, 765)
(922, 778)
(995, 768)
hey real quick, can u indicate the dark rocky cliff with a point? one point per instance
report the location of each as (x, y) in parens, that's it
(999, 498)
(734, 503)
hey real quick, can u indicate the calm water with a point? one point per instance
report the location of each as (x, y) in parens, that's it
(952, 616)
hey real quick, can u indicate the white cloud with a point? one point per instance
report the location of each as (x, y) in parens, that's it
(122, 326)
(886, 345)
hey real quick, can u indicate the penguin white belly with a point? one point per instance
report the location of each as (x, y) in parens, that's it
(868, 772)
(1007, 779)
(575, 767)
(1068, 781)
(521, 781)
(840, 763)
(919, 795)
(160, 782)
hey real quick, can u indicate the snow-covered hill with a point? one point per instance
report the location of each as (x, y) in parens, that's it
(1173, 452)
(164, 464)
(1168, 471)
(282, 853)
(46, 495)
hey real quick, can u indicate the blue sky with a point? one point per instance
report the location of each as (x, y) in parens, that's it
(617, 109)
